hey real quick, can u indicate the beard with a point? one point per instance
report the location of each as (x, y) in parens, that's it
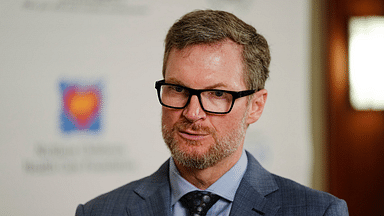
(221, 148)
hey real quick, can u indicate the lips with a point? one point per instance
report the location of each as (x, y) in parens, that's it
(192, 135)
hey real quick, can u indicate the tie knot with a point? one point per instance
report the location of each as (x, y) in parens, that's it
(199, 202)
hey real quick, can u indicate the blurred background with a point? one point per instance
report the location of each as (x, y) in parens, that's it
(80, 117)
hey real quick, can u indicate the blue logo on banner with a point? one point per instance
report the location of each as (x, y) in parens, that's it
(80, 107)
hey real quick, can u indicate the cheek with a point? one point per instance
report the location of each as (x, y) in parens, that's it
(229, 123)
(222, 125)
(169, 117)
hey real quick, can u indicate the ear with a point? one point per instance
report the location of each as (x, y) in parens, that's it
(256, 106)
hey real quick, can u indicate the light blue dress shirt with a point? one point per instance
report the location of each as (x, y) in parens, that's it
(225, 187)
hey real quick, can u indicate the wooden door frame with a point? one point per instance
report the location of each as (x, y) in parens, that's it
(355, 138)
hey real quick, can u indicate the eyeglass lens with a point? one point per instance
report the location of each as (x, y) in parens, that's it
(211, 100)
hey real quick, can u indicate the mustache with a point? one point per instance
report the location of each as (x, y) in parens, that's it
(187, 125)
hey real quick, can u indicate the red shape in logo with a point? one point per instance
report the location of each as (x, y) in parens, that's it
(82, 105)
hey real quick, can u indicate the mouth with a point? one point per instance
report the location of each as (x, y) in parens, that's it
(193, 135)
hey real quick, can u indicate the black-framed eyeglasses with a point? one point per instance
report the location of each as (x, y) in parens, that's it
(211, 100)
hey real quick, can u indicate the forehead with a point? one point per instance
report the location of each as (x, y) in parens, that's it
(207, 64)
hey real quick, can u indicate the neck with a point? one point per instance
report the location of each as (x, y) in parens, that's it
(203, 178)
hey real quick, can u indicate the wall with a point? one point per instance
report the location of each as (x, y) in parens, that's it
(116, 48)
(318, 90)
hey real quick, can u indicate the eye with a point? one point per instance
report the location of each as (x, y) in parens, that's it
(218, 93)
(177, 88)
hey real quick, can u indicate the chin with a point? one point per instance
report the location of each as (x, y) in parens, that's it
(198, 156)
(194, 151)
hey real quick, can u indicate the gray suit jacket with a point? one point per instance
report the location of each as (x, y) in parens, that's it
(259, 193)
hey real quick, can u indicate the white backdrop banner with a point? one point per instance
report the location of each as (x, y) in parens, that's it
(79, 112)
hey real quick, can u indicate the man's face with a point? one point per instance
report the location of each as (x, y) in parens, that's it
(198, 139)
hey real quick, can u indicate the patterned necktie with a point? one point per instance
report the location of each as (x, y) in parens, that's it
(199, 202)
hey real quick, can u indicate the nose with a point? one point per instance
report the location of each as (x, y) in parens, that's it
(194, 112)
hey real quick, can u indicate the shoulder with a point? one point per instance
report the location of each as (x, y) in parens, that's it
(301, 199)
(116, 201)
(289, 196)
(117, 197)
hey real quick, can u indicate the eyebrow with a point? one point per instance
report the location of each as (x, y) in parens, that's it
(177, 82)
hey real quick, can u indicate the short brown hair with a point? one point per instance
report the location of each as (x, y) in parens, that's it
(212, 26)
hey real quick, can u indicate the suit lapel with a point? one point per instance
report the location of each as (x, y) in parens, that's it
(249, 201)
(252, 195)
(154, 193)
(156, 204)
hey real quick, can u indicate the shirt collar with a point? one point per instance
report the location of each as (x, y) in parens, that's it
(226, 186)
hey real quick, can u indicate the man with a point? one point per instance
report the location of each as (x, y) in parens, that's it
(214, 70)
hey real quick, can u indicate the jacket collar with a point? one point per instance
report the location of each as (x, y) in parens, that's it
(154, 191)
(251, 196)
